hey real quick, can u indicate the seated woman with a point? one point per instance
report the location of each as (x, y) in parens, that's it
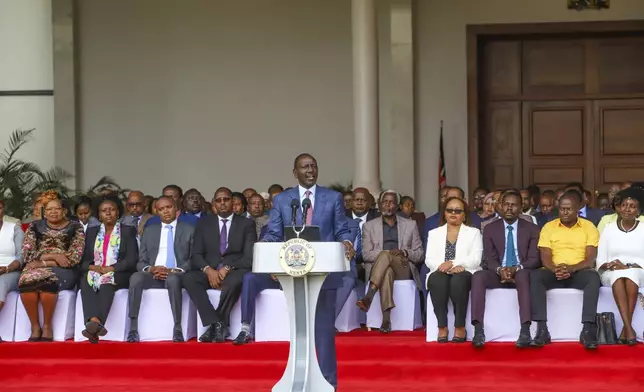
(240, 205)
(83, 212)
(454, 252)
(488, 206)
(11, 236)
(52, 250)
(110, 257)
(620, 258)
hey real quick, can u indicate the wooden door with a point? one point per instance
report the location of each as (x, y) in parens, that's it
(557, 143)
(619, 142)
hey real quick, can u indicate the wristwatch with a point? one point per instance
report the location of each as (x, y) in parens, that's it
(227, 267)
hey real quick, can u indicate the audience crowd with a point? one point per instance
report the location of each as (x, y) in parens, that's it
(525, 239)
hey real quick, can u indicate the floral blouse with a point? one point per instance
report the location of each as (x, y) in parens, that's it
(40, 239)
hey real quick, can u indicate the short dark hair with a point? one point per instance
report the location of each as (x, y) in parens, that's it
(193, 190)
(459, 189)
(83, 201)
(175, 187)
(549, 192)
(534, 190)
(632, 193)
(406, 198)
(577, 185)
(466, 218)
(303, 155)
(256, 195)
(602, 195)
(163, 197)
(242, 198)
(224, 189)
(511, 192)
(109, 198)
(572, 194)
(275, 188)
(481, 188)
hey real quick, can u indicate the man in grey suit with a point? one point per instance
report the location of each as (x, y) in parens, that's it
(164, 256)
(392, 245)
(136, 214)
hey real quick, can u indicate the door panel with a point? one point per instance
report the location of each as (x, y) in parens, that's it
(556, 143)
(619, 141)
(503, 145)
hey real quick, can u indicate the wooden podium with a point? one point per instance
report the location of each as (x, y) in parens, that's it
(302, 372)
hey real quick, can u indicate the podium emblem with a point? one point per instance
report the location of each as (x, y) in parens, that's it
(297, 257)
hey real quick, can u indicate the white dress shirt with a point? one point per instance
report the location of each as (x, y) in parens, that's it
(162, 256)
(582, 212)
(363, 219)
(221, 225)
(311, 197)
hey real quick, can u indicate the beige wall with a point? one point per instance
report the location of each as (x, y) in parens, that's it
(214, 93)
(207, 93)
(441, 77)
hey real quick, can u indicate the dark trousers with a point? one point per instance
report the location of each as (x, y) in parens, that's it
(543, 279)
(98, 303)
(196, 284)
(144, 280)
(254, 284)
(486, 279)
(325, 335)
(442, 288)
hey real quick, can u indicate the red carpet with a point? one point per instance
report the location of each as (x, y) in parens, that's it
(368, 361)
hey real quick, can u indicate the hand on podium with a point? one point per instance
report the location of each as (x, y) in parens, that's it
(349, 252)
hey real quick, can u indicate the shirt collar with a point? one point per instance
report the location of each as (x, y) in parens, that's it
(515, 225)
(229, 219)
(583, 211)
(303, 190)
(173, 224)
(362, 218)
(578, 223)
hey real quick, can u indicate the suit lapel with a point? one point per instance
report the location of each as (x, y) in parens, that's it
(234, 228)
(378, 230)
(522, 240)
(155, 239)
(501, 241)
(177, 237)
(401, 231)
(216, 239)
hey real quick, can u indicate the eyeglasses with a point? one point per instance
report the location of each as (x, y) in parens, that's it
(454, 211)
(134, 204)
(222, 200)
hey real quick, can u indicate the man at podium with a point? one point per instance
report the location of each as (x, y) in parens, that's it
(327, 213)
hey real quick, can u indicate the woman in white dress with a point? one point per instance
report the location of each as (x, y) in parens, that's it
(11, 236)
(620, 257)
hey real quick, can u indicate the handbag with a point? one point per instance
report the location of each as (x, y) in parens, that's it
(606, 332)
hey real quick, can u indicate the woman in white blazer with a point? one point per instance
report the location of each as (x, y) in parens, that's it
(454, 252)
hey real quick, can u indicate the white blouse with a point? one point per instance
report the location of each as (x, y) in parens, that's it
(615, 244)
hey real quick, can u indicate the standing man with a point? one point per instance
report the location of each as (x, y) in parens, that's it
(327, 212)
(136, 217)
(222, 254)
(510, 247)
(164, 256)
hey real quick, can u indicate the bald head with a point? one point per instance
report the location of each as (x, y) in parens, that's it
(135, 203)
(361, 201)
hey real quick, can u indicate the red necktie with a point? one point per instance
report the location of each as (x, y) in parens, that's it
(309, 214)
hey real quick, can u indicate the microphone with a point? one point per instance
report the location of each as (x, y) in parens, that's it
(295, 204)
(306, 206)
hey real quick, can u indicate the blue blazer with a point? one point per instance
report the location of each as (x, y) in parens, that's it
(328, 214)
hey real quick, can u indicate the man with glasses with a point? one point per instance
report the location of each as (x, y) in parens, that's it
(137, 216)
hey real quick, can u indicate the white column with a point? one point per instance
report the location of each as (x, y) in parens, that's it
(365, 95)
(26, 76)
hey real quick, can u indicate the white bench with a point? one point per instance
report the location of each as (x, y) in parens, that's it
(117, 323)
(564, 315)
(271, 317)
(62, 322)
(155, 316)
(235, 315)
(8, 316)
(406, 316)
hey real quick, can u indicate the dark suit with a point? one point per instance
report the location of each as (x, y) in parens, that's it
(205, 253)
(594, 215)
(143, 280)
(494, 248)
(98, 303)
(329, 215)
(542, 218)
(138, 222)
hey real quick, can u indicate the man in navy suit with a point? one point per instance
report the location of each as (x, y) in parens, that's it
(592, 214)
(327, 212)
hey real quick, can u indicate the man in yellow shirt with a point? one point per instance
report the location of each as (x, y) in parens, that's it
(568, 247)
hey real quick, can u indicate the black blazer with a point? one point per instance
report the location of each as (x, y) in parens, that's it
(241, 239)
(128, 252)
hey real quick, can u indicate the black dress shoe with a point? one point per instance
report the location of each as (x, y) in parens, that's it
(177, 336)
(541, 338)
(243, 338)
(478, 341)
(220, 333)
(133, 337)
(589, 338)
(385, 327)
(364, 304)
(207, 336)
(524, 340)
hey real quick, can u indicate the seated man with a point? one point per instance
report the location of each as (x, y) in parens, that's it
(163, 258)
(176, 193)
(390, 243)
(136, 215)
(568, 248)
(586, 211)
(253, 284)
(546, 208)
(222, 254)
(358, 215)
(256, 207)
(192, 205)
(510, 247)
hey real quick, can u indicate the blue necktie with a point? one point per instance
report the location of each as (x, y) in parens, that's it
(358, 247)
(170, 261)
(510, 256)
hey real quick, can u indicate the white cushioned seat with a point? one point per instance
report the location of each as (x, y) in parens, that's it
(155, 316)
(117, 323)
(62, 321)
(271, 317)
(348, 319)
(8, 316)
(406, 315)
(235, 315)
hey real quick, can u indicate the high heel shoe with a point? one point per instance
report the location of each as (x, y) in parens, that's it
(34, 338)
(457, 339)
